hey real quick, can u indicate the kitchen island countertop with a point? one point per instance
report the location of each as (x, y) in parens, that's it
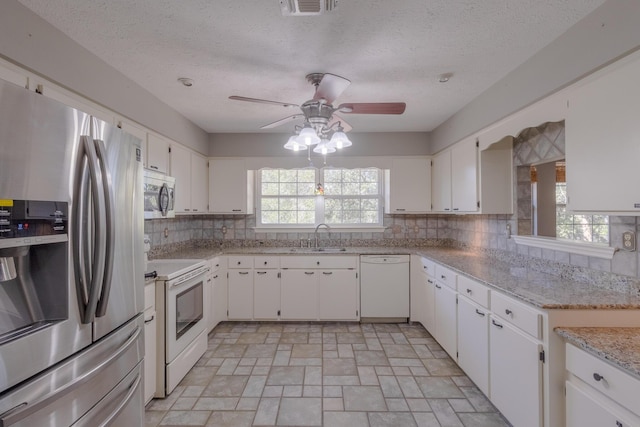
(619, 346)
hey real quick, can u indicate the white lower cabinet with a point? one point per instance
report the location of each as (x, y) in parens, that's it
(299, 294)
(473, 342)
(338, 295)
(219, 294)
(150, 341)
(446, 322)
(515, 374)
(266, 294)
(240, 294)
(598, 393)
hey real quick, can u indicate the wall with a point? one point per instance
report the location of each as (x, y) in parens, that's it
(364, 144)
(611, 31)
(32, 43)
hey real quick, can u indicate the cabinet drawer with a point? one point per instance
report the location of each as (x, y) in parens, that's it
(473, 290)
(521, 316)
(150, 296)
(215, 264)
(321, 261)
(240, 261)
(585, 410)
(266, 262)
(428, 266)
(446, 276)
(604, 377)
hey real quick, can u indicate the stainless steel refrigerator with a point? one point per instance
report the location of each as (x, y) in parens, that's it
(71, 267)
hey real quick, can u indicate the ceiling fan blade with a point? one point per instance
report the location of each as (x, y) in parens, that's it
(261, 101)
(373, 108)
(330, 87)
(283, 121)
(336, 118)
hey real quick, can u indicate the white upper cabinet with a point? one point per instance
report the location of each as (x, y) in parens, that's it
(191, 174)
(230, 187)
(464, 176)
(441, 182)
(13, 76)
(408, 186)
(602, 134)
(158, 153)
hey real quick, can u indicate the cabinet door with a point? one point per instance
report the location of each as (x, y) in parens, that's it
(199, 181)
(441, 182)
(515, 374)
(266, 294)
(473, 342)
(229, 187)
(446, 330)
(13, 76)
(338, 295)
(583, 410)
(299, 300)
(220, 297)
(409, 186)
(158, 153)
(150, 363)
(601, 131)
(464, 176)
(181, 171)
(418, 293)
(430, 305)
(240, 294)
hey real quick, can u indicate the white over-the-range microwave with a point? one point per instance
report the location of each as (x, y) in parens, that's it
(159, 195)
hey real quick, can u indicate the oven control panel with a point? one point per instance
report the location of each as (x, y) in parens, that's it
(32, 218)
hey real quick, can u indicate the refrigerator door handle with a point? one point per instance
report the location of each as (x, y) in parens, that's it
(14, 415)
(98, 261)
(109, 229)
(81, 254)
(131, 390)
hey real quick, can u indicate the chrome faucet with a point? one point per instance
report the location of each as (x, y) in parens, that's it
(315, 233)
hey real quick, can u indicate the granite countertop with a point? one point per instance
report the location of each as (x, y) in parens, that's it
(542, 290)
(620, 346)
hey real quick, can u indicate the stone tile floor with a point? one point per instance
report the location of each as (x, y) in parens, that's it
(324, 374)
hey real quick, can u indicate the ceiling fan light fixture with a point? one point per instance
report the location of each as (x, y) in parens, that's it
(293, 144)
(324, 147)
(340, 140)
(308, 136)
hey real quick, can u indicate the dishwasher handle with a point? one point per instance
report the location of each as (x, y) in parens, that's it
(384, 259)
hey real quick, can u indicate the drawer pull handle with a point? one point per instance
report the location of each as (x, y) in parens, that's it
(438, 286)
(619, 424)
(479, 313)
(327, 272)
(443, 277)
(149, 320)
(508, 312)
(597, 376)
(243, 272)
(261, 272)
(496, 324)
(469, 291)
(308, 272)
(430, 281)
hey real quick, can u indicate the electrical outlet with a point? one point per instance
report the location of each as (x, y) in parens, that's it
(629, 241)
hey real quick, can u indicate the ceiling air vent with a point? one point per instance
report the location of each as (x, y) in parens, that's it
(306, 7)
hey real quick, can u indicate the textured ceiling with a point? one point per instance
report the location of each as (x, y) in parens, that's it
(390, 50)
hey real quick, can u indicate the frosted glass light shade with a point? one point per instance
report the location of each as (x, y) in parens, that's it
(324, 147)
(339, 140)
(308, 136)
(293, 144)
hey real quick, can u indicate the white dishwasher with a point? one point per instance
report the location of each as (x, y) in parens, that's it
(384, 287)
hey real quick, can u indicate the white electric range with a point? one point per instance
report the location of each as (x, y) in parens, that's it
(181, 295)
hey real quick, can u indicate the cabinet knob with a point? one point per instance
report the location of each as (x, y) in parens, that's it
(597, 376)
(239, 262)
(508, 312)
(265, 263)
(469, 291)
(443, 277)
(318, 263)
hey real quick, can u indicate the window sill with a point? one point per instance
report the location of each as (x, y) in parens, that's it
(311, 229)
(596, 250)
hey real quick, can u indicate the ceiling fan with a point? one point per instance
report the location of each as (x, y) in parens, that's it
(319, 113)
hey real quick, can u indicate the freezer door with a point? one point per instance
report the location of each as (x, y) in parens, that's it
(62, 395)
(122, 296)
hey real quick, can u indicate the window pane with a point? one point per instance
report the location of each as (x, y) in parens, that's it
(287, 217)
(351, 188)
(332, 204)
(351, 217)
(370, 217)
(288, 204)
(288, 175)
(269, 175)
(351, 204)
(370, 204)
(269, 217)
(332, 189)
(269, 204)
(288, 189)
(306, 217)
(369, 188)
(307, 204)
(269, 189)
(332, 175)
(306, 188)
(307, 175)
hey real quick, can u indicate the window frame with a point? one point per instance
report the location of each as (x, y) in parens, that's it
(320, 205)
